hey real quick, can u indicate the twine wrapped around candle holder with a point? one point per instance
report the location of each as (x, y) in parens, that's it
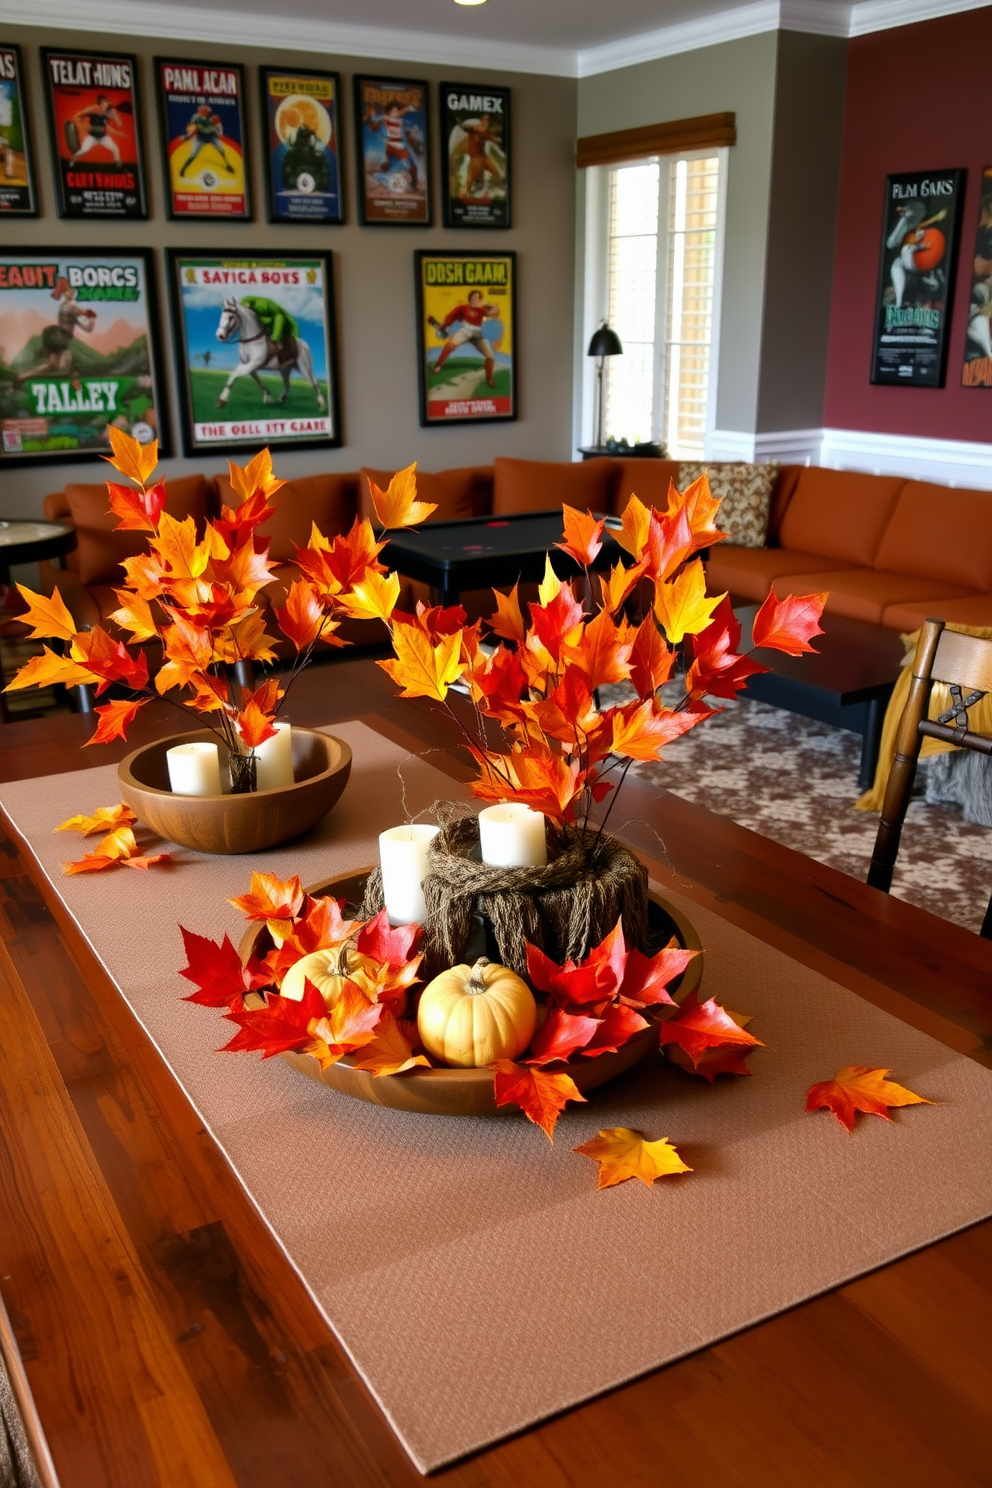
(565, 907)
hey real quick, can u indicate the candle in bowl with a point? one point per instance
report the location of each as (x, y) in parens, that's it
(194, 769)
(274, 760)
(512, 836)
(403, 858)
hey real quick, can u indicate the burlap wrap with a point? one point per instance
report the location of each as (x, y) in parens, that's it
(565, 908)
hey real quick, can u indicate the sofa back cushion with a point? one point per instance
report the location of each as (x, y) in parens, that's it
(745, 494)
(938, 532)
(648, 480)
(99, 549)
(453, 492)
(542, 485)
(330, 500)
(839, 513)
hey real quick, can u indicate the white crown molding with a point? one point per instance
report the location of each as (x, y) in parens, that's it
(949, 462)
(156, 18)
(325, 38)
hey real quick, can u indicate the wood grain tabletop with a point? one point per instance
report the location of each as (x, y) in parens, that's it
(167, 1341)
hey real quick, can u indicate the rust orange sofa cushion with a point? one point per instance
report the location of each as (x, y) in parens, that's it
(453, 492)
(330, 500)
(750, 572)
(839, 513)
(975, 610)
(940, 532)
(99, 548)
(542, 485)
(866, 593)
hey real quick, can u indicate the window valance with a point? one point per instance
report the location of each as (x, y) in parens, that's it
(704, 132)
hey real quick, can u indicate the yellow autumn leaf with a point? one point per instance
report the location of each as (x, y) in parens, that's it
(682, 605)
(622, 1154)
(49, 617)
(134, 460)
(421, 668)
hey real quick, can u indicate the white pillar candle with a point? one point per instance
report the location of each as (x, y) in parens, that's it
(194, 769)
(512, 836)
(403, 858)
(274, 760)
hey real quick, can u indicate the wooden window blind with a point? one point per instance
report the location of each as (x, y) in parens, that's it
(705, 132)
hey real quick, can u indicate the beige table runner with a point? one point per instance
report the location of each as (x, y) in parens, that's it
(474, 1274)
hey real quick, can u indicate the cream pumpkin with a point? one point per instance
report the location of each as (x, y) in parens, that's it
(472, 1015)
(328, 970)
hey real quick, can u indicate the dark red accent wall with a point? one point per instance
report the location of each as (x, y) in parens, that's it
(918, 98)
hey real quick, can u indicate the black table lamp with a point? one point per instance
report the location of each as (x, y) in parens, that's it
(605, 342)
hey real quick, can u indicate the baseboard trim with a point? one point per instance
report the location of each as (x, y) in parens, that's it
(951, 462)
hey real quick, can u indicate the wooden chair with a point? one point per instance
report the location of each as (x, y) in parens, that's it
(964, 662)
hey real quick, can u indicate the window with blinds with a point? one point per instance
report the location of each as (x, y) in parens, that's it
(661, 265)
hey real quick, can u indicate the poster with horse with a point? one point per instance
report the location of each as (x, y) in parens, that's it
(255, 348)
(916, 277)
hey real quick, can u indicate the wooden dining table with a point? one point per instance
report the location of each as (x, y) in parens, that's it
(167, 1341)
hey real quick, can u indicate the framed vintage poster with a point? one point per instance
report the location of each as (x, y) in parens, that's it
(475, 155)
(977, 369)
(916, 277)
(255, 349)
(95, 133)
(466, 337)
(202, 109)
(391, 135)
(17, 188)
(302, 129)
(79, 339)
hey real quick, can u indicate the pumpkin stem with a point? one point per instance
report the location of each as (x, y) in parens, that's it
(344, 959)
(477, 981)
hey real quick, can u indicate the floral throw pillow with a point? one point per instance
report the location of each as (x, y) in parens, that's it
(745, 493)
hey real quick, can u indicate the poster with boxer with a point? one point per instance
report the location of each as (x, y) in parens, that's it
(916, 277)
(301, 125)
(92, 100)
(475, 155)
(977, 369)
(391, 136)
(203, 130)
(466, 337)
(17, 189)
(78, 353)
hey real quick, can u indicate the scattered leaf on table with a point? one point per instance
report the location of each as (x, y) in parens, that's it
(699, 1026)
(92, 863)
(859, 1088)
(104, 819)
(539, 1095)
(622, 1154)
(144, 861)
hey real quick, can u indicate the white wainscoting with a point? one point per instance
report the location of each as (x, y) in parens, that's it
(951, 462)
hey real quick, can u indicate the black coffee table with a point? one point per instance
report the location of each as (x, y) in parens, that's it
(847, 683)
(487, 552)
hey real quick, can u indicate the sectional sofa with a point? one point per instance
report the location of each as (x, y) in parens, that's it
(890, 551)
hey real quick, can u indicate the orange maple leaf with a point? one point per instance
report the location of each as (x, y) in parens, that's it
(253, 725)
(104, 819)
(583, 536)
(389, 1053)
(682, 605)
(48, 669)
(189, 649)
(421, 668)
(616, 586)
(724, 1059)
(651, 660)
(271, 898)
(704, 1025)
(534, 776)
(302, 616)
(602, 651)
(254, 477)
(557, 620)
(622, 1154)
(134, 461)
(539, 1095)
(700, 506)
(48, 617)
(398, 506)
(139, 511)
(114, 719)
(641, 730)
(635, 525)
(508, 620)
(858, 1087)
(134, 615)
(787, 624)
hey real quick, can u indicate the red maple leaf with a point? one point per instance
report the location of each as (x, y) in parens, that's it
(215, 969)
(724, 1059)
(645, 978)
(556, 620)
(616, 1026)
(718, 670)
(704, 1025)
(651, 659)
(787, 624)
(279, 1025)
(114, 719)
(540, 1095)
(560, 1035)
(392, 945)
(139, 511)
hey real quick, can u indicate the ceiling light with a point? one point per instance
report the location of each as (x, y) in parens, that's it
(470, 2)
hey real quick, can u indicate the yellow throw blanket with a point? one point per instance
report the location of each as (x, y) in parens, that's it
(980, 714)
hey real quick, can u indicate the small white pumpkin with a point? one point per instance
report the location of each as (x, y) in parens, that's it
(472, 1015)
(328, 970)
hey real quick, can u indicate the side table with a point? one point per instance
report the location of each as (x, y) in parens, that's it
(25, 542)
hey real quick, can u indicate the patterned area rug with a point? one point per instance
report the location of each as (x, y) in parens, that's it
(795, 780)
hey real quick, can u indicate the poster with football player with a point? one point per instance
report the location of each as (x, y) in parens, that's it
(301, 123)
(475, 155)
(254, 338)
(17, 193)
(78, 353)
(916, 278)
(95, 136)
(203, 129)
(977, 369)
(466, 337)
(391, 133)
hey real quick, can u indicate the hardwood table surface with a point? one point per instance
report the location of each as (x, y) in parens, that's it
(167, 1341)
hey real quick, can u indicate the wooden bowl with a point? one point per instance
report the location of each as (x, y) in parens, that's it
(236, 824)
(469, 1092)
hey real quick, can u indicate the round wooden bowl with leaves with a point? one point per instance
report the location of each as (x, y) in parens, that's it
(236, 824)
(469, 1092)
